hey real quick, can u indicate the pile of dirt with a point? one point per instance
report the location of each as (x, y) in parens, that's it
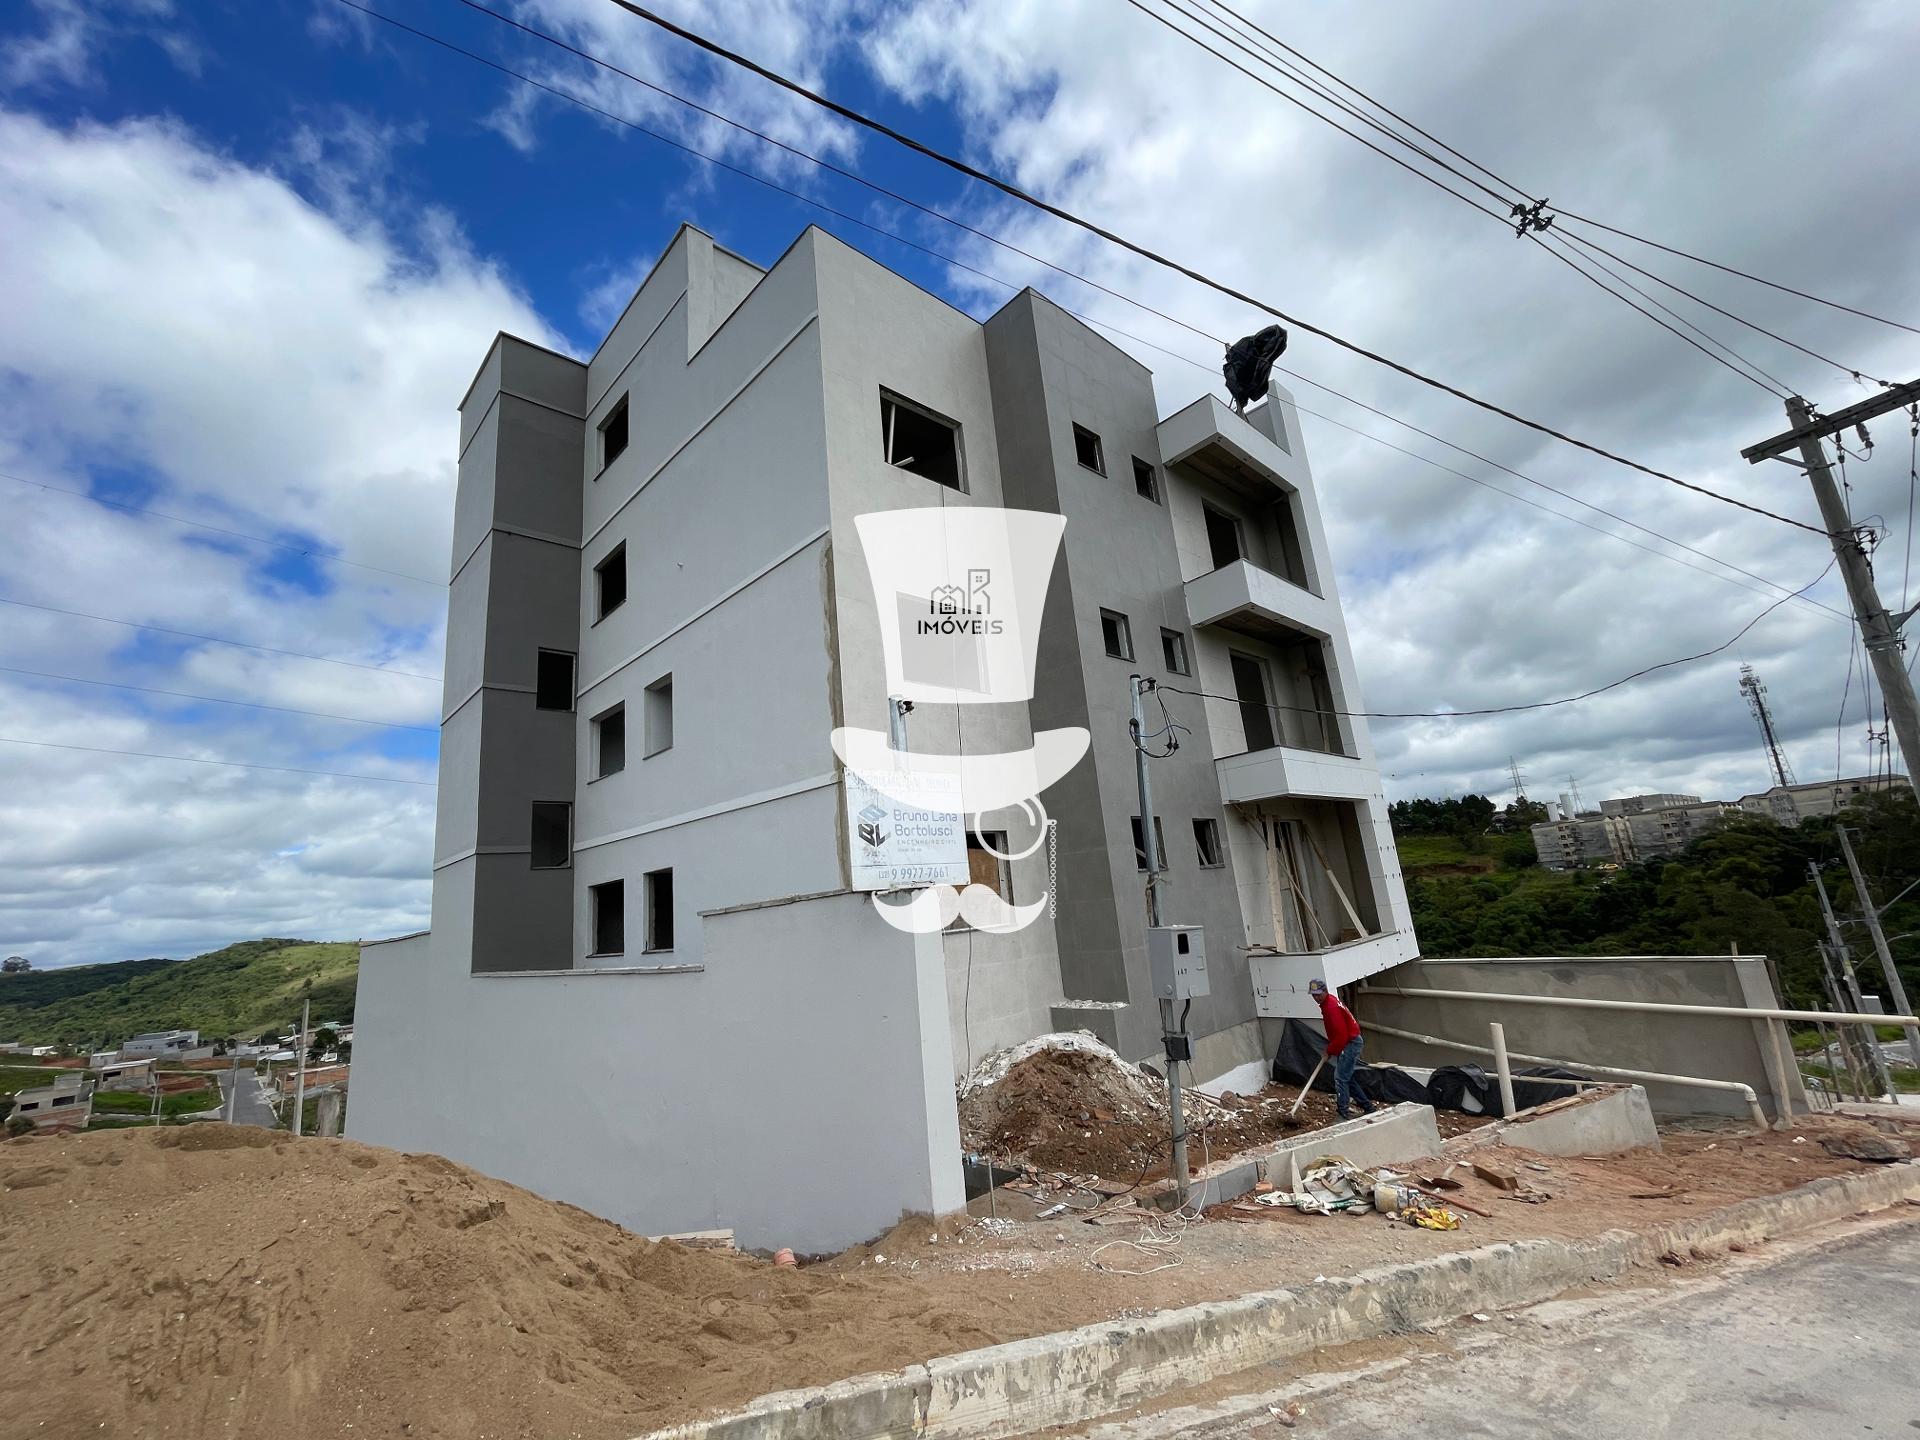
(1073, 1107)
(212, 1279)
(1069, 1105)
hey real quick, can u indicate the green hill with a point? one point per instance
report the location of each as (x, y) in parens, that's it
(242, 990)
(1478, 892)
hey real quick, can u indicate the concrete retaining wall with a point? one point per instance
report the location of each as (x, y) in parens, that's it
(1077, 1375)
(1601, 1122)
(1710, 1047)
(1401, 1132)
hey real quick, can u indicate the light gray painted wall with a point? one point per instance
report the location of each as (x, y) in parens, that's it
(1120, 555)
(833, 1024)
(881, 332)
(1710, 1047)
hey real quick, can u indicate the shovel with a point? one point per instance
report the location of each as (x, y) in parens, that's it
(1306, 1087)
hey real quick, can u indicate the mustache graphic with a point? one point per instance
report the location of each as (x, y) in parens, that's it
(938, 906)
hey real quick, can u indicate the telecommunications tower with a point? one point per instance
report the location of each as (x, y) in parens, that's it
(1755, 690)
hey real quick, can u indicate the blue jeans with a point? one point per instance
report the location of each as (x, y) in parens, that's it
(1344, 1083)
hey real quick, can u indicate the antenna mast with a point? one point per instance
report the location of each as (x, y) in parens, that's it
(1755, 689)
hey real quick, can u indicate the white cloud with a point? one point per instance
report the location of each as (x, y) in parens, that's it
(1645, 116)
(259, 361)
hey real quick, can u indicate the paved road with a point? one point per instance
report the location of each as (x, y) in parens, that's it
(241, 1099)
(1817, 1344)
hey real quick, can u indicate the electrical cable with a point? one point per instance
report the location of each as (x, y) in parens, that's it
(1513, 709)
(1200, 277)
(197, 760)
(1047, 264)
(1560, 213)
(1530, 232)
(1778, 389)
(219, 530)
(217, 640)
(218, 700)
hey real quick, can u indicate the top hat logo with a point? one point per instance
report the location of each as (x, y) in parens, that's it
(960, 594)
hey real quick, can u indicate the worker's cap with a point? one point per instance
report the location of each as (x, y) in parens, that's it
(1316, 987)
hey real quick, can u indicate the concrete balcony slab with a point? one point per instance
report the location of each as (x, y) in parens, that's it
(1281, 771)
(1208, 431)
(1254, 601)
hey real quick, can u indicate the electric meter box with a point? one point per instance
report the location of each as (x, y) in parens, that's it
(1177, 961)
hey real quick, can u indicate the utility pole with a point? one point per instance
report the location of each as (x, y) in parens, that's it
(1879, 629)
(1177, 1046)
(1896, 992)
(1850, 996)
(300, 1060)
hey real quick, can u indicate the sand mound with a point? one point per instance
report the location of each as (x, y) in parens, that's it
(211, 1280)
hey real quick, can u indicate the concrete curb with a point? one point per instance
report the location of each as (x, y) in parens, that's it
(1027, 1385)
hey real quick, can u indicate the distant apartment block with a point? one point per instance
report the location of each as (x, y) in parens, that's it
(661, 609)
(1639, 827)
(1791, 804)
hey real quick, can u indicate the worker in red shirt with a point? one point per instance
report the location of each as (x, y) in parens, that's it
(1343, 1047)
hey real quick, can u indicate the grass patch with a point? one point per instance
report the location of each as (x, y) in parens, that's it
(140, 1102)
(15, 1078)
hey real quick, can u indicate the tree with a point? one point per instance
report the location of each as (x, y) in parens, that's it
(15, 965)
(324, 1039)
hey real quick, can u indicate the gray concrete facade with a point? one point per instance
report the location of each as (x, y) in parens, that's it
(713, 457)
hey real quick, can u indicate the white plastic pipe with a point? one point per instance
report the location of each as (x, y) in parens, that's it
(1744, 1091)
(1646, 1007)
(1498, 1034)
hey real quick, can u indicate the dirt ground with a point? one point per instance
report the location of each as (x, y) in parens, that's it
(211, 1280)
(1086, 1112)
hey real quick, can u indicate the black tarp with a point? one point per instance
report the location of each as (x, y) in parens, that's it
(1249, 364)
(1452, 1087)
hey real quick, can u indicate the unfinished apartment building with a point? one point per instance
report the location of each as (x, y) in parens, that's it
(661, 611)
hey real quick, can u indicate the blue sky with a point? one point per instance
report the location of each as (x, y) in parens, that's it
(258, 247)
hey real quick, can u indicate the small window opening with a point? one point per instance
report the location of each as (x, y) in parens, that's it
(1223, 537)
(1146, 481)
(1140, 843)
(1086, 449)
(553, 680)
(552, 834)
(610, 742)
(1117, 634)
(610, 580)
(920, 443)
(609, 905)
(613, 434)
(658, 715)
(659, 909)
(1173, 649)
(1206, 841)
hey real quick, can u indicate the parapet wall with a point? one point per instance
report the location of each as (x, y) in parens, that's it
(1711, 1047)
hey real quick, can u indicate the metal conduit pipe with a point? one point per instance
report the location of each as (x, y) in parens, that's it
(1744, 1091)
(1645, 1007)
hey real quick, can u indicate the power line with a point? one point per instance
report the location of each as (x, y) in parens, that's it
(1027, 197)
(198, 760)
(1516, 709)
(216, 639)
(218, 530)
(1561, 212)
(1049, 265)
(1777, 389)
(217, 700)
(1273, 61)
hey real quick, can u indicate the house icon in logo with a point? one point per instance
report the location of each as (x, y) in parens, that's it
(870, 831)
(947, 600)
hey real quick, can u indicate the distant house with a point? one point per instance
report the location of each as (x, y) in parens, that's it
(125, 1075)
(162, 1044)
(1789, 805)
(36, 1051)
(289, 1081)
(67, 1104)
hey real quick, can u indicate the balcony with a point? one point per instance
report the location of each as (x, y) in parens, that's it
(1254, 601)
(1281, 771)
(1228, 448)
